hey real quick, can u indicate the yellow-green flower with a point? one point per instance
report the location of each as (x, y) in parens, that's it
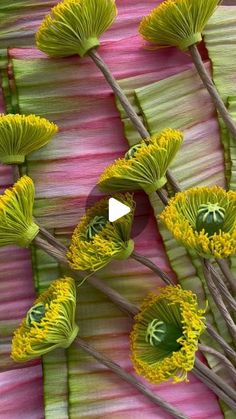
(204, 219)
(74, 26)
(145, 164)
(96, 241)
(49, 324)
(177, 23)
(21, 134)
(16, 214)
(165, 335)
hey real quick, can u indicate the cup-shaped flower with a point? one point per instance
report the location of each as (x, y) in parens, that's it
(203, 219)
(165, 336)
(74, 26)
(49, 324)
(16, 214)
(177, 23)
(21, 135)
(145, 164)
(96, 241)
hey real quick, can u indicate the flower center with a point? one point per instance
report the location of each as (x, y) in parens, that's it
(95, 226)
(159, 333)
(210, 217)
(132, 151)
(36, 313)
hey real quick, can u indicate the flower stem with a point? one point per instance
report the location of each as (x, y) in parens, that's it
(218, 299)
(147, 262)
(228, 365)
(224, 345)
(227, 273)
(208, 83)
(129, 378)
(220, 284)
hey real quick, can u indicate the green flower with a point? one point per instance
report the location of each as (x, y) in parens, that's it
(74, 27)
(21, 135)
(49, 324)
(145, 164)
(165, 335)
(96, 241)
(203, 219)
(16, 214)
(177, 23)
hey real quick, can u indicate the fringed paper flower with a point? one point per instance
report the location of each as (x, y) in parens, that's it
(74, 27)
(145, 164)
(177, 23)
(203, 219)
(49, 324)
(96, 241)
(165, 335)
(16, 214)
(20, 135)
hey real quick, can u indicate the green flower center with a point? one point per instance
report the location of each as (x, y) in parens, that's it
(210, 217)
(160, 333)
(95, 226)
(132, 151)
(36, 313)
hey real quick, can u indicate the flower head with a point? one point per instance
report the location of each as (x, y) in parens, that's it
(177, 22)
(74, 26)
(20, 135)
(49, 324)
(16, 214)
(145, 164)
(204, 219)
(97, 241)
(165, 335)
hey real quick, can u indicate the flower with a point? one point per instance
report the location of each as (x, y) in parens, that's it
(203, 219)
(21, 134)
(96, 241)
(74, 26)
(145, 164)
(49, 324)
(177, 23)
(165, 336)
(16, 214)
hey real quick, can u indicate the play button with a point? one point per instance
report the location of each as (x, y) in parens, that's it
(117, 210)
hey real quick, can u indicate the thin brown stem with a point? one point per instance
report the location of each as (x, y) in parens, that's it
(50, 238)
(147, 262)
(222, 287)
(224, 267)
(208, 83)
(224, 345)
(129, 378)
(218, 300)
(228, 365)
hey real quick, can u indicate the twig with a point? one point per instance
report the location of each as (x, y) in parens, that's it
(222, 287)
(147, 262)
(129, 378)
(208, 83)
(225, 346)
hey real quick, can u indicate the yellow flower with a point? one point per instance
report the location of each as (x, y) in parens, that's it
(74, 27)
(177, 22)
(49, 324)
(96, 241)
(20, 135)
(16, 214)
(165, 335)
(204, 219)
(145, 164)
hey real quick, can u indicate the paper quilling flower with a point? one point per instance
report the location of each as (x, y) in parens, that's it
(96, 241)
(16, 214)
(74, 27)
(204, 219)
(21, 134)
(49, 324)
(165, 336)
(145, 164)
(177, 23)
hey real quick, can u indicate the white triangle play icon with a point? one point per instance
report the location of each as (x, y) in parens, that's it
(117, 209)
